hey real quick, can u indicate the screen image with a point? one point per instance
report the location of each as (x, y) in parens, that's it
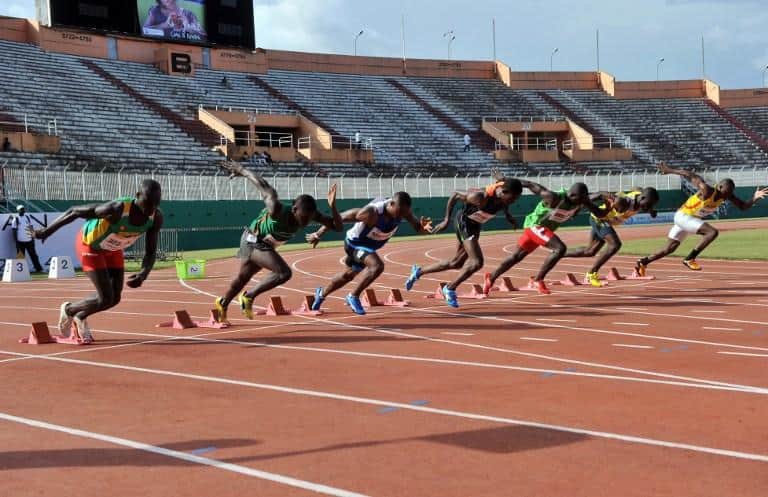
(182, 20)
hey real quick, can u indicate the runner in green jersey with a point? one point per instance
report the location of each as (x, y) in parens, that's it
(554, 209)
(275, 225)
(109, 229)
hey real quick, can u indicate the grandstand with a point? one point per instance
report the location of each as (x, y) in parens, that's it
(112, 109)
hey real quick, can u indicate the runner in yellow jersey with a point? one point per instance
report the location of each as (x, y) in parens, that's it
(690, 217)
(623, 206)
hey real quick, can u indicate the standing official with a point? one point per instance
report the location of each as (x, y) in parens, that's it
(25, 244)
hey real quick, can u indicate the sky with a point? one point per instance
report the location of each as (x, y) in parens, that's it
(634, 35)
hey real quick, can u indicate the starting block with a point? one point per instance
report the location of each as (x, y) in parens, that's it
(505, 286)
(183, 321)
(394, 299)
(531, 286)
(570, 280)
(476, 293)
(635, 276)
(40, 334)
(276, 307)
(438, 293)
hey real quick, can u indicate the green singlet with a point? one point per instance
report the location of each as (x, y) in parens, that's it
(552, 217)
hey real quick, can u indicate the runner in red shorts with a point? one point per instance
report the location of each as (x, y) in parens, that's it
(110, 228)
(554, 209)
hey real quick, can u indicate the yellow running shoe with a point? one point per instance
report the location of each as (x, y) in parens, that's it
(692, 264)
(221, 310)
(246, 305)
(594, 280)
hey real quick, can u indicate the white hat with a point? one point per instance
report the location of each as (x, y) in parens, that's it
(19, 207)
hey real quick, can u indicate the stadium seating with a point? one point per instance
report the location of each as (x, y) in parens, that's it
(756, 118)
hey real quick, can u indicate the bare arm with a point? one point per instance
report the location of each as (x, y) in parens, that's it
(760, 193)
(705, 190)
(334, 221)
(269, 194)
(349, 216)
(422, 225)
(452, 200)
(109, 210)
(150, 254)
(546, 195)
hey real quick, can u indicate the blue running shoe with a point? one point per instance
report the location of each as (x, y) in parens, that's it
(319, 299)
(450, 297)
(354, 303)
(413, 278)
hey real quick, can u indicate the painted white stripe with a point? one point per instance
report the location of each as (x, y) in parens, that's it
(719, 329)
(631, 308)
(621, 323)
(184, 456)
(539, 339)
(429, 410)
(547, 320)
(712, 312)
(743, 354)
(632, 346)
(458, 334)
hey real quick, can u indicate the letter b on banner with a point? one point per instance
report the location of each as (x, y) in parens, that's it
(181, 63)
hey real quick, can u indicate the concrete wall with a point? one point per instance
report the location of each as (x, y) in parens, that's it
(660, 89)
(755, 97)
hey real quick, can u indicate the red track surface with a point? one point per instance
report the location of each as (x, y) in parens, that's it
(629, 390)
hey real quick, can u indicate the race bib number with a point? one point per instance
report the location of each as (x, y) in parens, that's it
(269, 240)
(380, 236)
(115, 242)
(707, 211)
(561, 216)
(481, 217)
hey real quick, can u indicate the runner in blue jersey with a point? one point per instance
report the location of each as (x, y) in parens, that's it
(374, 225)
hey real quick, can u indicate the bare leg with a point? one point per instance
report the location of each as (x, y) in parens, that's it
(558, 249)
(106, 282)
(280, 272)
(474, 262)
(508, 263)
(590, 250)
(669, 248)
(709, 234)
(339, 280)
(456, 262)
(247, 269)
(612, 248)
(373, 269)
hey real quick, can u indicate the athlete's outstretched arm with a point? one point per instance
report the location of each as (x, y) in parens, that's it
(475, 198)
(150, 254)
(349, 216)
(510, 219)
(704, 188)
(537, 189)
(268, 193)
(422, 225)
(334, 221)
(760, 193)
(109, 210)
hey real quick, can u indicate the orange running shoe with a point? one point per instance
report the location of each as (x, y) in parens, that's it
(543, 288)
(487, 284)
(640, 268)
(692, 264)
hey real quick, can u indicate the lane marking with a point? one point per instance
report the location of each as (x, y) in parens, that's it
(458, 334)
(369, 401)
(720, 329)
(621, 323)
(631, 308)
(556, 320)
(626, 345)
(711, 312)
(539, 339)
(184, 456)
(743, 354)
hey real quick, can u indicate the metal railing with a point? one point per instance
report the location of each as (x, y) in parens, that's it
(522, 119)
(532, 144)
(250, 110)
(337, 142)
(261, 139)
(48, 125)
(599, 142)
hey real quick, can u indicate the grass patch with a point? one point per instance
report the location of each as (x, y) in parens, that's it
(737, 245)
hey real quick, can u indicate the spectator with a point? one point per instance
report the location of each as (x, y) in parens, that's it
(267, 158)
(467, 142)
(21, 226)
(225, 82)
(358, 140)
(6, 145)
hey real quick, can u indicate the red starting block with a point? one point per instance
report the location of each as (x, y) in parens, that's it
(636, 276)
(531, 286)
(476, 293)
(570, 280)
(505, 286)
(40, 334)
(613, 275)
(183, 321)
(394, 299)
(276, 307)
(438, 293)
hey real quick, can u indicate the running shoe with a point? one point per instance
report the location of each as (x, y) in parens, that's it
(542, 287)
(221, 310)
(65, 321)
(640, 268)
(246, 305)
(83, 330)
(487, 284)
(594, 280)
(355, 304)
(413, 278)
(319, 299)
(450, 297)
(692, 264)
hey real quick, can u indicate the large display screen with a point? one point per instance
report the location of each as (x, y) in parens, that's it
(181, 20)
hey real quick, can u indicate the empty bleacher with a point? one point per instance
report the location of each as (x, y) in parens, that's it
(755, 118)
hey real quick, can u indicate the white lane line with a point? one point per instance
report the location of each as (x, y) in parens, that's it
(743, 354)
(714, 328)
(458, 334)
(539, 339)
(621, 323)
(631, 308)
(184, 456)
(547, 320)
(712, 312)
(628, 346)
(429, 410)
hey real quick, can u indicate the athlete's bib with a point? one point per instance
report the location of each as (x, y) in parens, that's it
(481, 217)
(380, 236)
(114, 242)
(268, 239)
(561, 216)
